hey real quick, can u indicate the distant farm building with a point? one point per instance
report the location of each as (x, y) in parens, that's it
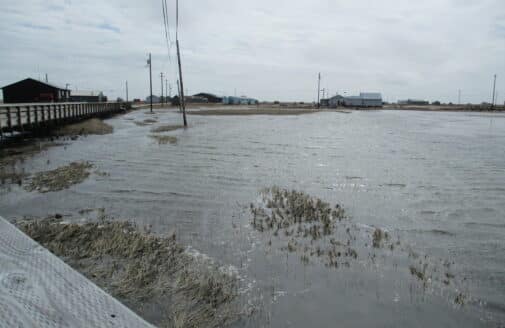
(156, 99)
(365, 99)
(325, 102)
(413, 102)
(32, 91)
(239, 101)
(195, 100)
(82, 96)
(210, 97)
(189, 100)
(336, 101)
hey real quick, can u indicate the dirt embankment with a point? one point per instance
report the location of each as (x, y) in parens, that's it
(253, 111)
(60, 178)
(154, 276)
(91, 126)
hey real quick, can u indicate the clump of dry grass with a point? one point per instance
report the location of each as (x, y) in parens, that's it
(60, 178)
(91, 126)
(378, 237)
(304, 220)
(163, 140)
(143, 271)
(167, 128)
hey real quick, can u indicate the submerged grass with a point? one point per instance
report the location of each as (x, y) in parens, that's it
(152, 275)
(60, 178)
(91, 126)
(167, 128)
(163, 140)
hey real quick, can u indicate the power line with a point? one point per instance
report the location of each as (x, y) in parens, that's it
(166, 29)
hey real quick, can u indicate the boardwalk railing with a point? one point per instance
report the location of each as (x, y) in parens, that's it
(25, 117)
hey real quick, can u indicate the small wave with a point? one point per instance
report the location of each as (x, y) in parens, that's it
(353, 178)
(485, 224)
(433, 231)
(395, 185)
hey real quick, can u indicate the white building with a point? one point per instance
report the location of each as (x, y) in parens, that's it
(365, 99)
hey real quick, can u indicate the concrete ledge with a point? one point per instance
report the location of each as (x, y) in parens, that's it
(37, 289)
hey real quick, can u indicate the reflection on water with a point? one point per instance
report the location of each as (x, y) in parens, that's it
(434, 180)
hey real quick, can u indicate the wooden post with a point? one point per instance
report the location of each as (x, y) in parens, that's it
(9, 119)
(28, 115)
(181, 100)
(1, 127)
(18, 114)
(36, 114)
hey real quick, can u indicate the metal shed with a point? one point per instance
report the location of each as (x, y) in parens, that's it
(365, 99)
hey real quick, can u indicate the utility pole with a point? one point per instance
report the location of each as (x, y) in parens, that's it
(459, 97)
(170, 90)
(161, 75)
(179, 95)
(126, 91)
(182, 101)
(166, 90)
(494, 92)
(150, 81)
(318, 89)
(324, 93)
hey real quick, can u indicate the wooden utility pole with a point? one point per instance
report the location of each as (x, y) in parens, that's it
(126, 91)
(150, 81)
(318, 89)
(494, 92)
(166, 91)
(181, 99)
(179, 95)
(161, 75)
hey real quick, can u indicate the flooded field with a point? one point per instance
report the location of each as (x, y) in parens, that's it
(370, 218)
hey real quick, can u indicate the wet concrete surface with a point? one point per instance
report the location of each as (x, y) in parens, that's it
(432, 180)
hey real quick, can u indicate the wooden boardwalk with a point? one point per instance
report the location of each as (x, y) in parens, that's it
(39, 290)
(26, 117)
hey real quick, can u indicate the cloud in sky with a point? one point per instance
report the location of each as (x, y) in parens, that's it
(264, 49)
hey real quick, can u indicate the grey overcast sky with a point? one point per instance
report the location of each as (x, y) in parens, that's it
(267, 49)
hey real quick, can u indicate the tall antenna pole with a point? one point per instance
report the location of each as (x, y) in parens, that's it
(318, 89)
(494, 92)
(150, 81)
(161, 75)
(181, 99)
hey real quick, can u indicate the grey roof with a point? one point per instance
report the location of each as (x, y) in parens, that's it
(370, 95)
